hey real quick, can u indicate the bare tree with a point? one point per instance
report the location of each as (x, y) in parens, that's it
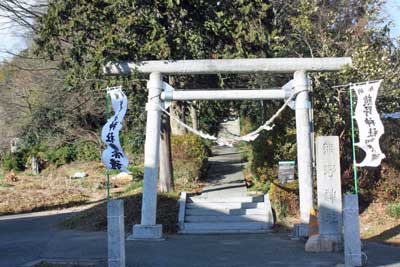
(23, 13)
(19, 18)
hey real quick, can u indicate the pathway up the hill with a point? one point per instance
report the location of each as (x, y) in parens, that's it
(225, 176)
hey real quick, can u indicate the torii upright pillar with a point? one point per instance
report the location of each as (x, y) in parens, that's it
(304, 150)
(148, 229)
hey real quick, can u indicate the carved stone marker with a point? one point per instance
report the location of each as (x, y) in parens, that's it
(352, 242)
(116, 233)
(329, 188)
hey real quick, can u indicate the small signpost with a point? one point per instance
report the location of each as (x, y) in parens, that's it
(286, 171)
(352, 241)
(116, 233)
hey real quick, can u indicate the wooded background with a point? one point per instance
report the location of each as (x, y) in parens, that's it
(52, 97)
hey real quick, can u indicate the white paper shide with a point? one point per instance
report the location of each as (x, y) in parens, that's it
(113, 156)
(369, 123)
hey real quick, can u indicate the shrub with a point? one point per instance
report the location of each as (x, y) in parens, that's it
(189, 153)
(285, 198)
(87, 151)
(261, 178)
(187, 171)
(188, 146)
(393, 210)
(14, 161)
(61, 155)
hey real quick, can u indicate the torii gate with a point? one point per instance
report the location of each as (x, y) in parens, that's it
(148, 229)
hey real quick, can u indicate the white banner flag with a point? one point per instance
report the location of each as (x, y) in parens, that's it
(113, 156)
(370, 126)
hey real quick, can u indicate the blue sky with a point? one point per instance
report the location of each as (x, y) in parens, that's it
(10, 36)
(392, 10)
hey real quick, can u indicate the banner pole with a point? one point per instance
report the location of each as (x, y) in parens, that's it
(107, 171)
(352, 140)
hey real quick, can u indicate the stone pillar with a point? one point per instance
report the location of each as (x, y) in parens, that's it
(304, 152)
(268, 210)
(148, 229)
(116, 233)
(329, 186)
(35, 165)
(329, 192)
(182, 209)
(352, 242)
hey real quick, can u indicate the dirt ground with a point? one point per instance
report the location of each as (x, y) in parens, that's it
(55, 189)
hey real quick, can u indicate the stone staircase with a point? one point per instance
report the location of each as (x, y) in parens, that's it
(244, 214)
(223, 206)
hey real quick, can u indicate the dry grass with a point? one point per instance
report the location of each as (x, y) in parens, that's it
(377, 225)
(53, 189)
(95, 218)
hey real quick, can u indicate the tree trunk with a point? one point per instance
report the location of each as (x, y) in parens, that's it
(166, 171)
(177, 111)
(263, 111)
(193, 115)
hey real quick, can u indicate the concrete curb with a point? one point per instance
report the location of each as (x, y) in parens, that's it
(81, 262)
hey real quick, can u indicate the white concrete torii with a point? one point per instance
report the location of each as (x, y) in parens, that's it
(148, 229)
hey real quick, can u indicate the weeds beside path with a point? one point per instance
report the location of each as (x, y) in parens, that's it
(53, 189)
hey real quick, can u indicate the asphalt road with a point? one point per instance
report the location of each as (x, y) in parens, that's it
(26, 238)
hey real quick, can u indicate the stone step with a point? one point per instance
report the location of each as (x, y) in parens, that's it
(222, 205)
(208, 212)
(225, 226)
(226, 200)
(224, 231)
(226, 218)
